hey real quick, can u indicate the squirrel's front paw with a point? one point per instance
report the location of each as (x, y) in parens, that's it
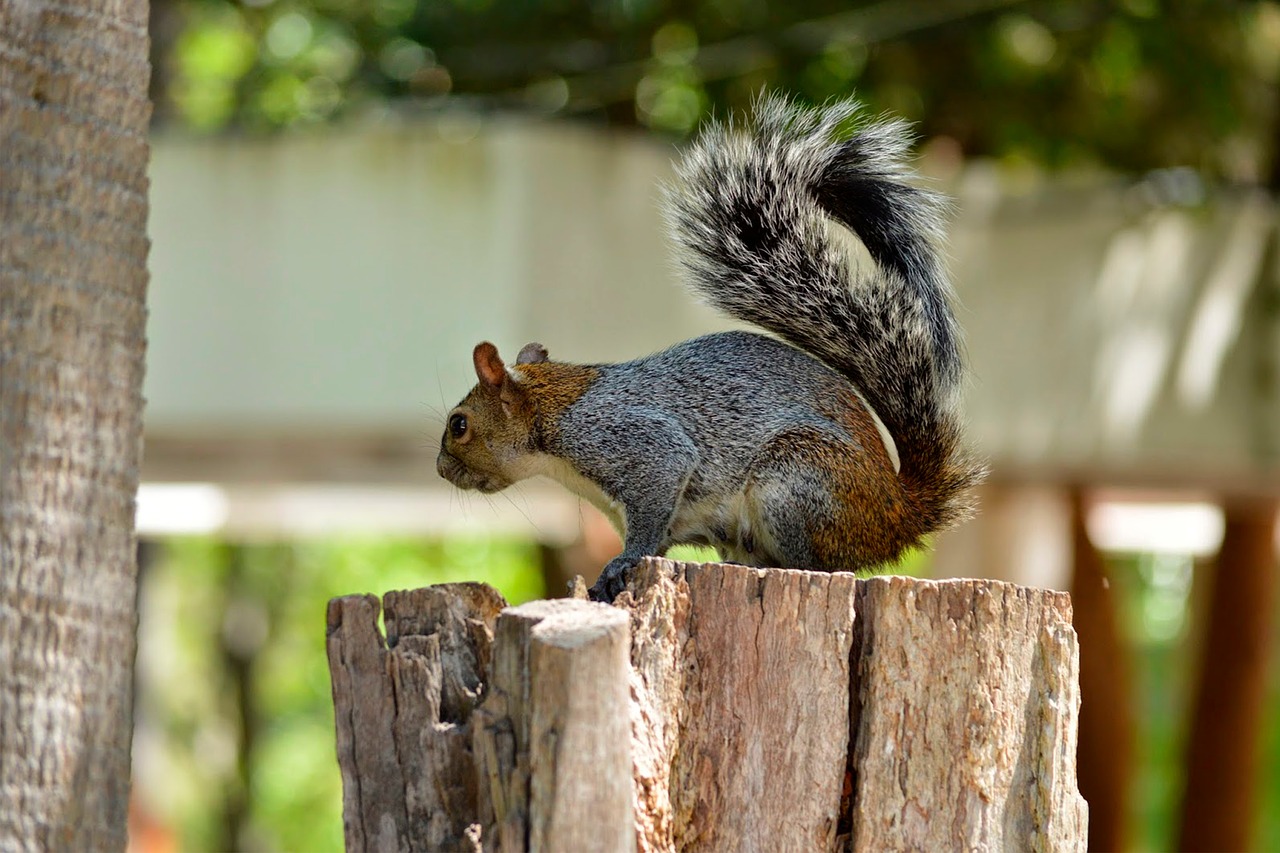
(613, 580)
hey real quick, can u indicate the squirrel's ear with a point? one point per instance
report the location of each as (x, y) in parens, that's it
(533, 353)
(489, 367)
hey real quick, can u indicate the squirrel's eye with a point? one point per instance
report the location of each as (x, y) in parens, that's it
(457, 425)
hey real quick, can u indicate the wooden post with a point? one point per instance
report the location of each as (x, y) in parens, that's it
(552, 738)
(402, 710)
(742, 688)
(967, 702)
(1224, 744)
(721, 707)
(1107, 725)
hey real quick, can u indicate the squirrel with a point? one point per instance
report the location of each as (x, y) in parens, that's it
(763, 447)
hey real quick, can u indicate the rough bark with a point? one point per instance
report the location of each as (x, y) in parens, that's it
(401, 709)
(741, 704)
(552, 738)
(1225, 740)
(967, 700)
(73, 249)
(765, 710)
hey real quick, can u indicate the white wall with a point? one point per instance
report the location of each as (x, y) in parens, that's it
(315, 300)
(340, 281)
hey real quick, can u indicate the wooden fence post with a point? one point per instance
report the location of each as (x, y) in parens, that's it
(716, 707)
(552, 738)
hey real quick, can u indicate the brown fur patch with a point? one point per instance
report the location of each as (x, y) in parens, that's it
(875, 517)
(878, 504)
(552, 387)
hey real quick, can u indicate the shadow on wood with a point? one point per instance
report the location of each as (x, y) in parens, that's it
(715, 707)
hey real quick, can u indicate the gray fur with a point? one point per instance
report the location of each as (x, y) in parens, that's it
(755, 445)
(751, 217)
(699, 413)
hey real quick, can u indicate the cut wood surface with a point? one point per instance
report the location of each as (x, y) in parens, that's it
(714, 707)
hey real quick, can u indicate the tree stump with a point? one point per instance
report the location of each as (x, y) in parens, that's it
(714, 707)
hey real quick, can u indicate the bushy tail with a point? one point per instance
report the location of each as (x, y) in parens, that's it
(751, 217)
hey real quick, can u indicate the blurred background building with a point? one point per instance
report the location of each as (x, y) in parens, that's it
(346, 197)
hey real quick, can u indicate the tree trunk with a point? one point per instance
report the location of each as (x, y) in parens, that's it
(73, 248)
(766, 710)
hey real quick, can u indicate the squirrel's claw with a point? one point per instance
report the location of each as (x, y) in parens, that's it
(613, 580)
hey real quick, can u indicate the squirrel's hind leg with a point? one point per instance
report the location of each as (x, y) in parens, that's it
(816, 500)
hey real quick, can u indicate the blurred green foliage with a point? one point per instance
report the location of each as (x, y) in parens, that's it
(1153, 599)
(1156, 597)
(235, 761)
(1129, 84)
